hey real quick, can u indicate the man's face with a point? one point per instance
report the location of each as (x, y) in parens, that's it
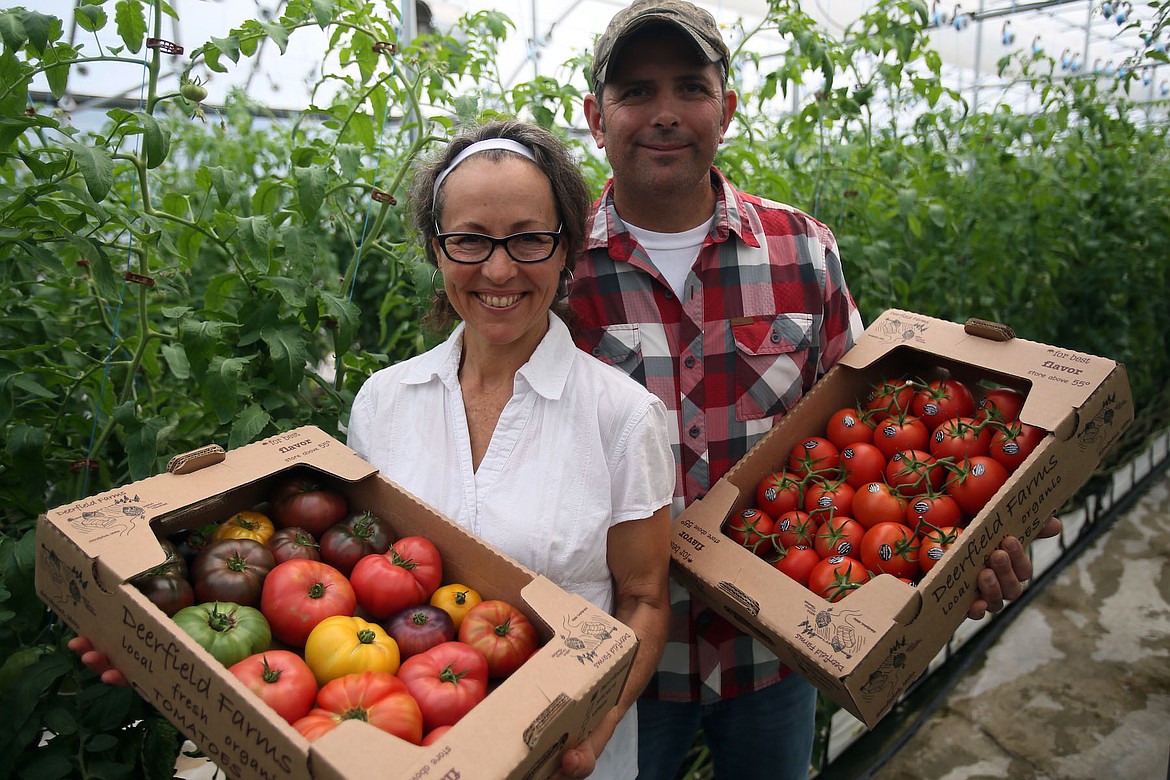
(662, 115)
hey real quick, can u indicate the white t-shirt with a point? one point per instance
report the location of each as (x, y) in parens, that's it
(673, 254)
(579, 448)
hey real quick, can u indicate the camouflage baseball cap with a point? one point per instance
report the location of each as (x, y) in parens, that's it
(699, 25)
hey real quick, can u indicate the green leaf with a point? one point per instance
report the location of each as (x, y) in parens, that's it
(221, 385)
(12, 30)
(176, 359)
(286, 347)
(96, 165)
(323, 11)
(158, 141)
(311, 184)
(58, 77)
(249, 423)
(41, 29)
(229, 46)
(342, 311)
(254, 236)
(300, 248)
(224, 183)
(277, 34)
(90, 18)
(131, 24)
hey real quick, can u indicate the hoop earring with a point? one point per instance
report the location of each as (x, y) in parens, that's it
(438, 291)
(565, 283)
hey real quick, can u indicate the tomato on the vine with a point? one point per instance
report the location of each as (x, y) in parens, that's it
(901, 432)
(849, 425)
(935, 542)
(941, 400)
(974, 481)
(889, 397)
(960, 437)
(1001, 404)
(814, 455)
(282, 679)
(827, 498)
(862, 463)
(797, 562)
(779, 492)
(299, 594)
(891, 548)
(1012, 444)
(913, 473)
(446, 680)
(795, 528)
(937, 509)
(231, 570)
(876, 503)
(502, 633)
(835, 578)
(378, 698)
(751, 528)
(838, 535)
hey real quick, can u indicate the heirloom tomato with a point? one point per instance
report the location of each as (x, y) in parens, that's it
(848, 426)
(419, 628)
(891, 548)
(752, 529)
(779, 492)
(341, 645)
(876, 503)
(231, 570)
(839, 535)
(935, 542)
(862, 463)
(405, 575)
(502, 633)
(1001, 404)
(294, 544)
(169, 592)
(798, 562)
(299, 594)
(378, 698)
(447, 681)
(795, 528)
(281, 679)
(974, 481)
(1012, 445)
(359, 535)
(245, 525)
(230, 632)
(434, 735)
(814, 455)
(941, 400)
(456, 599)
(301, 501)
(835, 578)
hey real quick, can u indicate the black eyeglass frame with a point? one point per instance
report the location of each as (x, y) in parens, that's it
(555, 235)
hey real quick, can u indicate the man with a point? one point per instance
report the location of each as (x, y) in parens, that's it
(728, 307)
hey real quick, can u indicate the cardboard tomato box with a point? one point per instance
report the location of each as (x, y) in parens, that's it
(865, 650)
(88, 551)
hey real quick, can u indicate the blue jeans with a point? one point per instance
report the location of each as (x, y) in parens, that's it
(767, 734)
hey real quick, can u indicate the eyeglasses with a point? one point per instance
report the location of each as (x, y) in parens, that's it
(534, 246)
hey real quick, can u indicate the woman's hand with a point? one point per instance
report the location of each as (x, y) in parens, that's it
(97, 662)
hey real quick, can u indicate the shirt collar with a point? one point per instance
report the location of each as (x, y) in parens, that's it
(546, 372)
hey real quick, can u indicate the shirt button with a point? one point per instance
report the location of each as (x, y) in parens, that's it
(775, 337)
(703, 619)
(694, 432)
(689, 362)
(670, 295)
(597, 352)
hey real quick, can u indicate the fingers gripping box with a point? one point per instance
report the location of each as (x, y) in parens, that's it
(865, 650)
(88, 552)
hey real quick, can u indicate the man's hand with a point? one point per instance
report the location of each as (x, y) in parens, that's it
(97, 662)
(1008, 569)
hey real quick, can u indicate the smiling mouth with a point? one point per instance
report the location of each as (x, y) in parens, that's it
(498, 301)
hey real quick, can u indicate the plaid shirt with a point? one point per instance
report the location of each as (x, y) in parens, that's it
(765, 313)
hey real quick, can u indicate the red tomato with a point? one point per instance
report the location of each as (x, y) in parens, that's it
(876, 503)
(889, 397)
(405, 575)
(913, 473)
(849, 426)
(932, 510)
(941, 400)
(447, 681)
(292, 543)
(960, 437)
(751, 528)
(798, 562)
(355, 537)
(934, 544)
(901, 432)
(301, 501)
(1002, 404)
(1012, 445)
(779, 492)
(839, 535)
(282, 679)
(974, 481)
(794, 529)
(826, 498)
(891, 548)
(501, 633)
(299, 594)
(862, 463)
(814, 455)
(835, 578)
(434, 735)
(420, 556)
(378, 698)
(419, 628)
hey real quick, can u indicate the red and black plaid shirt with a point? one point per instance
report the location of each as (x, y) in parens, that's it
(765, 313)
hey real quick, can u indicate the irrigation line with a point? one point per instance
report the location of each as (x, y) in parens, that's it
(874, 749)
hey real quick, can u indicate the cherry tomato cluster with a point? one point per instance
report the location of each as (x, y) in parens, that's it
(327, 615)
(889, 485)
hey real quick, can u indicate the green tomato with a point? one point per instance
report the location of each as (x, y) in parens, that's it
(196, 93)
(228, 631)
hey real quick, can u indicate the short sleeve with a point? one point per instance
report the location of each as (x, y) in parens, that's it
(643, 469)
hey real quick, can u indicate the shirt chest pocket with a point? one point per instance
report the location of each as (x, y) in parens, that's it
(617, 345)
(772, 355)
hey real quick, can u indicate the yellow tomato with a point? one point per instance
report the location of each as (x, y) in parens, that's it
(341, 645)
(245, 525)
(455, 599)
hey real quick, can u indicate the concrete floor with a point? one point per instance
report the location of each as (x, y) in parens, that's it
(1077, 686)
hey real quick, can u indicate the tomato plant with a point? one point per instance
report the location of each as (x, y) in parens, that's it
(300, 593)
(300, 500)
(282, 679)
(446, 680)
(231, 570)
(891, 548)
(355, 537)
(751, 528)
(456, 599)
(377, 698)
(502, 633)
(230, 632)
(419, 628)
(245, 525)
(342, 645)
(835, 578)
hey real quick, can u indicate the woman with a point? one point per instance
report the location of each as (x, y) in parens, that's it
(530, 444)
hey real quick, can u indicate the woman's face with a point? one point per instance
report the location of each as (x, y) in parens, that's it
(503, 302)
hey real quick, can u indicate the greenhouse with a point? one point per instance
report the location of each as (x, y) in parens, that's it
(218, 227)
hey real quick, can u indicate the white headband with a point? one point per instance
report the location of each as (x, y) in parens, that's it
(475, 148)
